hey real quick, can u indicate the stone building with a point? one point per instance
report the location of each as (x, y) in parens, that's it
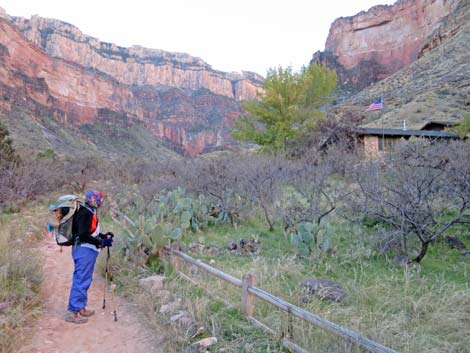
(376, 141)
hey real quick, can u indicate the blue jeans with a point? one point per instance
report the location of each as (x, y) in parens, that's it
(84, 259)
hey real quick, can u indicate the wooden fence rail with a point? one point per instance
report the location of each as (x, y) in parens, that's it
(249, 291)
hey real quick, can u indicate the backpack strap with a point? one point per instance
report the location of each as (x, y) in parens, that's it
(91, 209)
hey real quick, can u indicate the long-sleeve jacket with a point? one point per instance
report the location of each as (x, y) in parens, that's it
(84, 224)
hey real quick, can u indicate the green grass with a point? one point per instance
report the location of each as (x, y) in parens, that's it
(417, 308)
(20, 277)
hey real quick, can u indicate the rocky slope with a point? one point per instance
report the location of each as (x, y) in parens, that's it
(435, 87)
(376, 43)
(54, 78)
(52, 70)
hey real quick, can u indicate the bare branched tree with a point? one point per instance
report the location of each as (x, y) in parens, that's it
(316, 189)
(261, 178)
(81, 171)
(420, 190)
(29, 178)
(217, 179)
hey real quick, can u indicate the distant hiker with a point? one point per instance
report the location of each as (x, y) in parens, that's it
(87, 240)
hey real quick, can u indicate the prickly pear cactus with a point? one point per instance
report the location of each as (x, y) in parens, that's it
(308, 237)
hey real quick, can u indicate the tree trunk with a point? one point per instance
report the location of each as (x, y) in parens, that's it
(404, 244)
(424, 249)
(266, 215)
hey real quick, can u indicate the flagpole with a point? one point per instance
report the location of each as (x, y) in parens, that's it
(378, 105)
(383, 129)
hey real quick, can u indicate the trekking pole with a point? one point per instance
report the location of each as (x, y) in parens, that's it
(105, 280)
(113, 287)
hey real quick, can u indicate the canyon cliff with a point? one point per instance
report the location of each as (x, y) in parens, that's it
(53, 77)
(135, 65)
(50, 68)
(433, 88)
(375, 44)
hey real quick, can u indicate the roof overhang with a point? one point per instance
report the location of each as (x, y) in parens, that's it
(400, 132)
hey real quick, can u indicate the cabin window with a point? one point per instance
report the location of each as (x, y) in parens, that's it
(386, 144)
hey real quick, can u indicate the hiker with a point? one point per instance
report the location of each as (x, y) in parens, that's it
(87, 242)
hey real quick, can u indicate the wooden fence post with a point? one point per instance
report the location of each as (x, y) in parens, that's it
(248, 299)
(175, 260)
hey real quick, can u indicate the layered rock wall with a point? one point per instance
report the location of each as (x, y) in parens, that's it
(136, 65)
(376, 43)
(55, 83)
(192, 121)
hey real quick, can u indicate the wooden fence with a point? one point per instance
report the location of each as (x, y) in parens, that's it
(249, 292)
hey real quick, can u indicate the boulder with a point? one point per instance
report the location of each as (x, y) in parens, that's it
(465, 254)
(454, 242)
(199, 248)
(164, 295)
(324, 289)
(185, 322)
(153, 283)
(244, 246)
(401, 259)
(202, 345)
(232, 246)
(171, 307)
(248, 246)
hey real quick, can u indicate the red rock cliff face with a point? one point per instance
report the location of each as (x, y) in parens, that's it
(136, 65)
(56, 84)
(189, 115)
(375, 44)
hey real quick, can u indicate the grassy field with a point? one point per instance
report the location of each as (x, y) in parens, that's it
(414, 308)
(20, 276)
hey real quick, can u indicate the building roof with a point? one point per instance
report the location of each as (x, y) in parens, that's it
(401, 132)
(442, 124)
(417, 123)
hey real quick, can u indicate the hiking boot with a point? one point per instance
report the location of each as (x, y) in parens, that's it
(86, 313)
(75, 318)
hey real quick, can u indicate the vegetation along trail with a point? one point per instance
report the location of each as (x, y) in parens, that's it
(51, 334)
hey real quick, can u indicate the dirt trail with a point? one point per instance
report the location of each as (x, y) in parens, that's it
(51, 334)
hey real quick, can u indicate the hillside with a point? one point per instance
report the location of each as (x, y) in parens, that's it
(435, 87)
(52, 70)
(65, 90)
(111, 141)
(375, 44)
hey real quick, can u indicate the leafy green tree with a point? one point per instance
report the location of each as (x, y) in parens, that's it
(288, 107)
(47, 154)
(7, 152)
(463, 128)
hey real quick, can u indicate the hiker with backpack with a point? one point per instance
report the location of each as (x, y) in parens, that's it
(86, 240)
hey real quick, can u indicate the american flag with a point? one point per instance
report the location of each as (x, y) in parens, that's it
(377, 105)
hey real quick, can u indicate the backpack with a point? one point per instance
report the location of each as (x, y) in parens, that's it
(61, 219)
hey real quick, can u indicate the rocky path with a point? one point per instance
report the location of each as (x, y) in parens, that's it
(51, 334)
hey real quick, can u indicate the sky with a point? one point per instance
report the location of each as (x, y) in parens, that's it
(240, 35)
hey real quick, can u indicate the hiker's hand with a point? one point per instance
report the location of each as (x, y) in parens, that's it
(108, 242)
(108, 235)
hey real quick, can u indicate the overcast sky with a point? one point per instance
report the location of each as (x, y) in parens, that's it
(250, 35)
